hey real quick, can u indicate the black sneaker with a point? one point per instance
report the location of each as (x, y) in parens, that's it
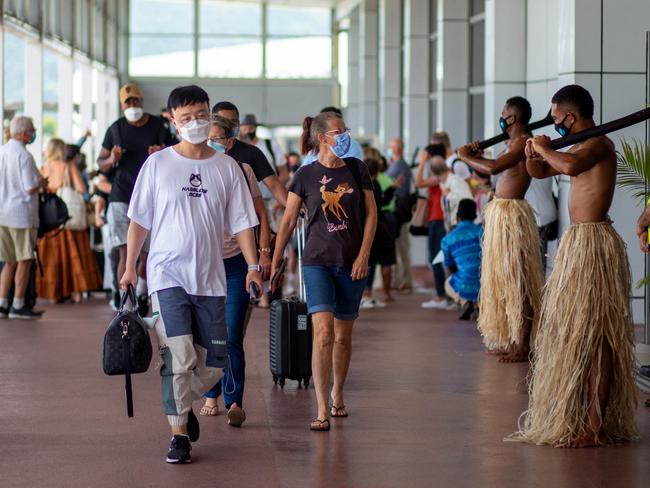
(23, 314)
(193, 429)
(179, 450)
(467, 311)
(4, 312)
(143, 305)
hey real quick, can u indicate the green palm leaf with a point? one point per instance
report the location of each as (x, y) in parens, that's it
(634, 168)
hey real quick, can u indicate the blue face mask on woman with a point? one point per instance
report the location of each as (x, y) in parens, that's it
(217, 146)
(342, 144)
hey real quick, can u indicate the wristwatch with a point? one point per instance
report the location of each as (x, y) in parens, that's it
(254, 267)
(266, 250)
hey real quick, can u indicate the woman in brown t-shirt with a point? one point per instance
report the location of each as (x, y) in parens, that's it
(341, 222)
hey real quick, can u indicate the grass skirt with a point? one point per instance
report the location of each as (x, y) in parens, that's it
(586, 303)
(511, 272)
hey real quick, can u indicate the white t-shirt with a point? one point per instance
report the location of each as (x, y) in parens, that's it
(188, 205)
(540, 197)
(18, 175)
(459, 168)
(458, 190)
(230, 245)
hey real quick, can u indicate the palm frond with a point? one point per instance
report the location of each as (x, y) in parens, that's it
(633, 161)
(643, 282)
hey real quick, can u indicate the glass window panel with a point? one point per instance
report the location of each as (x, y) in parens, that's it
(477, 114)
(288, 21)
(50, 77)
(433, 16)
(232, 57)
(161, 16)
(239, 18)
(155, 56)
(14, 70)
(478, 53)
(478, 7)
(50, 94)
(299, 57)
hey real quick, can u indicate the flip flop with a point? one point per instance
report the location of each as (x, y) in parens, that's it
(336, 411)
(320, 425)
(208, 411)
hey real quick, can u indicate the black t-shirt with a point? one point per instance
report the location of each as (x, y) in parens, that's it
(135, 142)
(335, 219)
(251, 155)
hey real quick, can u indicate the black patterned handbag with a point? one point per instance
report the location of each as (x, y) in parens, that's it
(127, 346)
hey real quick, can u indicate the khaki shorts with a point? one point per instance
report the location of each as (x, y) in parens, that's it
(17, 244)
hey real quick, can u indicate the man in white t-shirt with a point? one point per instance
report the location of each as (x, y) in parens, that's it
(187, 197)
(540, 197)
(20, 182)
(453, 162)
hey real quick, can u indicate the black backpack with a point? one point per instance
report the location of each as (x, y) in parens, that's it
(127, 346)
(52, 213)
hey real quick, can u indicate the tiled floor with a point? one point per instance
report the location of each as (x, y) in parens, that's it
(428, 408)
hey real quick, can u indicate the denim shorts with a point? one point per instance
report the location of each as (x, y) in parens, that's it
(332, 289)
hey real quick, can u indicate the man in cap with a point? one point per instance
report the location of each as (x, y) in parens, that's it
(127, 144)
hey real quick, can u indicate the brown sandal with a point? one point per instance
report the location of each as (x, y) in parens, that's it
(339, 411)
(209, 411)
(320, 425)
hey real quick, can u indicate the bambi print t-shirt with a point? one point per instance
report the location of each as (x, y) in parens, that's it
(334, 217)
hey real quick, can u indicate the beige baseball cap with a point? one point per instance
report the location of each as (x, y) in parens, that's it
(129, 90)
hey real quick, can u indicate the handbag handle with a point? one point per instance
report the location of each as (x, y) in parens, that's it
(130, 294)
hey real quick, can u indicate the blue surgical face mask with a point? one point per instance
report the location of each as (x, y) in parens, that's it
(236, 132)
(562, 129)
(33, 138)
(342, 144)
(217, 146)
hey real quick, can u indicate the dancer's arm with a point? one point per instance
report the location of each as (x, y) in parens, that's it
(569, 163)
(472, 154)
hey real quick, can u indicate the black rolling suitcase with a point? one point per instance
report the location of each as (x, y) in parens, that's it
(290, 331)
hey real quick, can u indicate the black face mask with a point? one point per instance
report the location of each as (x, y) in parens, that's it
(562, 129)
(251, 135)
(503, 123)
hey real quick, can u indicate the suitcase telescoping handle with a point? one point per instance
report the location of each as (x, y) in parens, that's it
(300, 244)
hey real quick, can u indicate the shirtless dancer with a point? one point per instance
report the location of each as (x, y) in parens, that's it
(582, 391)
(511, 268)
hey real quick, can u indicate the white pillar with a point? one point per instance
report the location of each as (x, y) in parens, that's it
(352, 112)
(505, 57)
(33, 93)
(390, 37)
(65, 98)
(452, 69)
(86, 97)
(416, 74)
(368, 68)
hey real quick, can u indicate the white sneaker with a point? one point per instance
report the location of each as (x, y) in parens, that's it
(437, 304)
(367, 303)
(379, 303)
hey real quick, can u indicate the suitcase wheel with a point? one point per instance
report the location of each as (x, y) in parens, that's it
(281, 383)
(275, 380)
(305, 382)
